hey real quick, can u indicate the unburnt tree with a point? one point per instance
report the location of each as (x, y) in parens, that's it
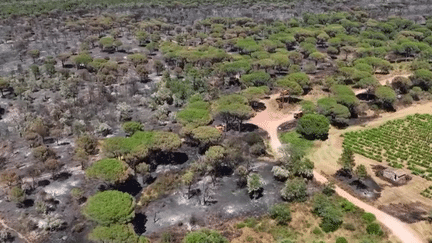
(137, 59)
(313, 126)
(188, 179)
(259, 78)
(110, 207)
(255, 185)
(131, 127)
(214, 157)
(82, 60)
(233, 110)
(108, 170)
(422, 78)
(347, 159)
(386, 96)
(206, 135)
(317, 57)
(294, 190)
(116, 233)
(291, 86)
(17, 195)
(361, 171)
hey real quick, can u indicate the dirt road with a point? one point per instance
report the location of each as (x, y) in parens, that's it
(270, 119)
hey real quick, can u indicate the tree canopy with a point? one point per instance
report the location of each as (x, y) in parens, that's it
(110, 207)
(232, 109)
(116, 233)
(313, 126)
(109, 170)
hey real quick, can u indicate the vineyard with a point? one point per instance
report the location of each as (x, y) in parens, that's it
(427, 192)
(401, 143)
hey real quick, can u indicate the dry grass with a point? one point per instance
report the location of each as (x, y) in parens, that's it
(249, 235)
(304, 228)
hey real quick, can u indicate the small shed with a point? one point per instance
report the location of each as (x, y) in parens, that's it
(398, 176)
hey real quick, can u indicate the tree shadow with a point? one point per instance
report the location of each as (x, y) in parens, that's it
(139, 223)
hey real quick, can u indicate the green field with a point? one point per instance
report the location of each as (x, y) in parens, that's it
(402, 143)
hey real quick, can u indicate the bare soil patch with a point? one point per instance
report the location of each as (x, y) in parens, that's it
(408, 213)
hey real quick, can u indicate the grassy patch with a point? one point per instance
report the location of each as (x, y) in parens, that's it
(295, 139)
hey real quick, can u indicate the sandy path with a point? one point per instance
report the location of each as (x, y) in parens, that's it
(270, 120)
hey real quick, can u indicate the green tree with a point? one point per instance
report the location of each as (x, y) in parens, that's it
(137, 59)
(254, 93)
(422, 78)
(188, 180)
(317, 57)
(341, 240)
(281, 213)
(301, 78)
(347, 159)
(294, 190)
(238, 67)
(407, 48)
(17, 195)
(291, 86)
(331, 214)
(107, 43)
(131, 127)
(313, 126)
(255, 185)
(196, 113)
(116, 233)
(109, 170)
(233, 110)
(345, 96)
(205, 236)
(110, 207)
(82, 59)
(308, 107)
(259, 78)
(247, 45)
(361, 171)
(206, 134)
(374, 229)
(386, 96)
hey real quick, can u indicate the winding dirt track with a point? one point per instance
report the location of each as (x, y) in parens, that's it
(270, 121)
